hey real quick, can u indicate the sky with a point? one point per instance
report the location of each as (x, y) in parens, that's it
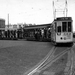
(32, 11)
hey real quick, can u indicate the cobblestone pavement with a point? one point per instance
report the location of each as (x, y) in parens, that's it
(17, 57)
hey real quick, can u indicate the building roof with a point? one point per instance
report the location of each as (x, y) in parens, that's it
(2, 19)
(37, 26)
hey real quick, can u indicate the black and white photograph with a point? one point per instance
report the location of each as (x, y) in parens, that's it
(37, 37)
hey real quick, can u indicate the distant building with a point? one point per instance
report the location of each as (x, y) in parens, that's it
(11, 27)
(2, 24)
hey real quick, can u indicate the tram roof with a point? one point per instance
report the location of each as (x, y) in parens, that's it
(63, 18)
(37, 26)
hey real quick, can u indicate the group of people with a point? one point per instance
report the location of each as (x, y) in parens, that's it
(42, 34)
(19, 34)
(10, 34)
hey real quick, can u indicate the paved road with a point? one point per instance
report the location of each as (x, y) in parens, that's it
(62, 63)
(54, 64)
(17, 57)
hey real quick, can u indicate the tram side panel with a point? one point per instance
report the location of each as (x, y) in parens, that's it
(58, 31)
(53, 34)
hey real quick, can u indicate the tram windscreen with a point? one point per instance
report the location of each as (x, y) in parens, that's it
(64, 26)
(69, 27)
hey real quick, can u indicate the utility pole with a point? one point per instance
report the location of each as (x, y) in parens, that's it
(8, 20)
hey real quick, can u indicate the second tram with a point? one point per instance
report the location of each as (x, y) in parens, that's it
(38, 32)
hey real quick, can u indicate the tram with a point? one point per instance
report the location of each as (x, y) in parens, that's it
(62, 30)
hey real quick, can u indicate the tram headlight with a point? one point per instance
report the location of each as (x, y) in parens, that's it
(61, 38)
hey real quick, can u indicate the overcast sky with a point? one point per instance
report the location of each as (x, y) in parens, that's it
(32, 11)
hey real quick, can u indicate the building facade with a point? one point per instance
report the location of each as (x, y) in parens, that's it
(2, 24)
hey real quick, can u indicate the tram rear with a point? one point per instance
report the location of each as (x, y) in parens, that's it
(62, 31)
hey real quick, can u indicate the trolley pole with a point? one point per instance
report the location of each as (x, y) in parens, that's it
(66, 8)
(53, 11)
(56, 8)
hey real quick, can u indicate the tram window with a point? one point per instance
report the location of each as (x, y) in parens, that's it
(69, 27)
(64, 26)
(59, 28)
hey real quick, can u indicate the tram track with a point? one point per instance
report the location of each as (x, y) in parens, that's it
(34, 69)
(53, 60)
(47, 61)
(70, 66)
